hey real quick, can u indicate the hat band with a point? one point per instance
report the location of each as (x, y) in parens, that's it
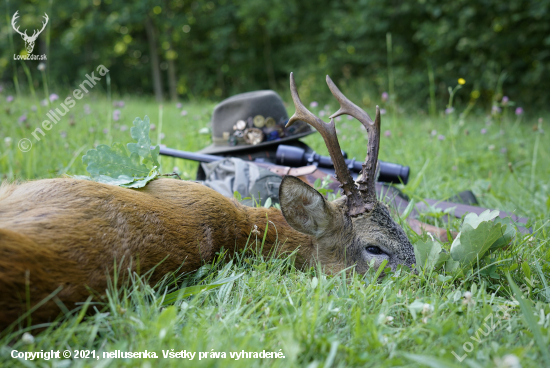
(217, 140)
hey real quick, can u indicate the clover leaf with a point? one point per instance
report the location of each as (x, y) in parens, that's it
(429, 255)
(479, 234)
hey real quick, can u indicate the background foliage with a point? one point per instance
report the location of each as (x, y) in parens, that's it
(213, 49)
(198, 51)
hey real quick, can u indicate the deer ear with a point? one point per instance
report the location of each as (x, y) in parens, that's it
(304, 208)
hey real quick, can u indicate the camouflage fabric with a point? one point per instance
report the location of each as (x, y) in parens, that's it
(235, 175)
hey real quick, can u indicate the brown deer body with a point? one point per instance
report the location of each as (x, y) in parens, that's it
(68, 234)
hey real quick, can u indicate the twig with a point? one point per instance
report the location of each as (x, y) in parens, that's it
(172, 174)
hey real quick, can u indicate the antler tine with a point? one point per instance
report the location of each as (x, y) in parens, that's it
(328, 132)
(302, 113)
(44, 24)
(13, 20)
(368, 174)
(37, 32)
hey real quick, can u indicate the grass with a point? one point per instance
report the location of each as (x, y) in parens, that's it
(314, 319)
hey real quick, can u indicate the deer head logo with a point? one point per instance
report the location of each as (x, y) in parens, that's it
(29, 40)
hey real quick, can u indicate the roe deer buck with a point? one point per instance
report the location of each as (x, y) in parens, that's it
(68, 233)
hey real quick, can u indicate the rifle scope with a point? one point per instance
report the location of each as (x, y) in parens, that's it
(295, 157)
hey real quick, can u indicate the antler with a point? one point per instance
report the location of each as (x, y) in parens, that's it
(25, 35)
(43, 25)
(13, 19)
(368, 174)
(355, 203)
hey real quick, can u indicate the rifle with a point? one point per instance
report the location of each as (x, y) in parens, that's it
(289, 157)
(318, 167)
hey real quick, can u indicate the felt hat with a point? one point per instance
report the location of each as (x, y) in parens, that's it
(252, 120)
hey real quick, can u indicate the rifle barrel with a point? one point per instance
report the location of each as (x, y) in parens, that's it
(200, 157)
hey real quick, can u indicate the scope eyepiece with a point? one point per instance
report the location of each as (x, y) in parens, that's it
(393, 173)
(296, 157)
(291, 156)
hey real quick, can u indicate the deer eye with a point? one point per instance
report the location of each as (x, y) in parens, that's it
(374, 250)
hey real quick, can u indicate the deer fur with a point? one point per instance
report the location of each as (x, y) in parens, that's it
(69, 233)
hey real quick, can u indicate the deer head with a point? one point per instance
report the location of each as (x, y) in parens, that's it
(356, 228)
(29, 40)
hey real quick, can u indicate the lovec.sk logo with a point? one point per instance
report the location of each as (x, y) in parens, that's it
(29, 40)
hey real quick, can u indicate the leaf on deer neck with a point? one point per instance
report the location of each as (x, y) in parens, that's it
(116, 166)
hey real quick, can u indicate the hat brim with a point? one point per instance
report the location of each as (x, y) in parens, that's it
(219, 149)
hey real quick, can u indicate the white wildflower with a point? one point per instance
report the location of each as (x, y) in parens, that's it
(27, 338)
(427, 308)
(510, 361)
(255, 231)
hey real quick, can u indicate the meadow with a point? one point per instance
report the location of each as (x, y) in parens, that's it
(476, 318)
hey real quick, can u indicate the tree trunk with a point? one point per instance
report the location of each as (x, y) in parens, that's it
(269, 61)
(172, 78)
(155, 64)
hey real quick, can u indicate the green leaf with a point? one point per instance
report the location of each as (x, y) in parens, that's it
(317, 183)
(416, 307)
(526, 269)
(155, 151)
(113, 161)
(429, 254)
(451, 265)
(474, 220)
(194, 290)
(141, 182)
(81, 177)
(167, 317)
(509, 233)
(477, 235)
(122, 179)
(443, 279)
(140, 133)
(126, 168)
